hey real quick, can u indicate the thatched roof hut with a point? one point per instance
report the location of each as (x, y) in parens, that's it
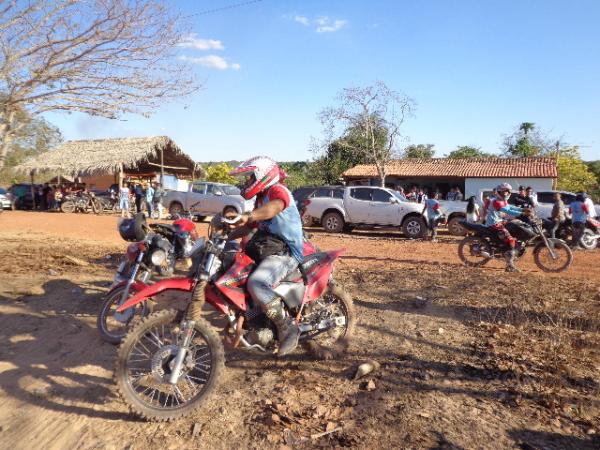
(129, 155)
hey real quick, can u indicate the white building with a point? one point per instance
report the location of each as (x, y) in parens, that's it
(469, 174)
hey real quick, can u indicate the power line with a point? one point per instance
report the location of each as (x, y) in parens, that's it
(224, 8)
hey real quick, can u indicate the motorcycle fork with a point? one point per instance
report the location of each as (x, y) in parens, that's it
(546, 242)
(134, 272)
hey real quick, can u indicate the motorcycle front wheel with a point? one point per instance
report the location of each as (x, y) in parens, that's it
(146, 358)
(470, 251)
(561, 261)
(67, 206)
(113, 326)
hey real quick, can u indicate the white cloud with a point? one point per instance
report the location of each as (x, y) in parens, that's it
(322, 24)
(303, 20)
(193, 41)
(212, 62)
(327, 26)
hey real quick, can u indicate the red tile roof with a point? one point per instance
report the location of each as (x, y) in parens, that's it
(463, 168)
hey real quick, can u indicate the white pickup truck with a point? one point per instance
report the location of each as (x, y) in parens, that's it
(206, 199)
(347, 207)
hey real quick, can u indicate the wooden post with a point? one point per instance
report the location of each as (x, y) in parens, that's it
(32, 190)
(120, 175)
(162, 167)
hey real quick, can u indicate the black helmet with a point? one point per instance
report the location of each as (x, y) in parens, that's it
(133, 230)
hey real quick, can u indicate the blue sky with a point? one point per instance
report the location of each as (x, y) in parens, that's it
(475, 68)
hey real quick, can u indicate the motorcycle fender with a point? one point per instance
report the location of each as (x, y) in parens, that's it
(136, 286)
(318, 276)
(291, 293)
(214, 298)
(178, 284)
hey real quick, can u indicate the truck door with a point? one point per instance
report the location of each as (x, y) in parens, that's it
(385, 208)
(197, 198)
(357, 204)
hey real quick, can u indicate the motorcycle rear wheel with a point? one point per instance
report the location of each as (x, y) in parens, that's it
(335, 300)
(469, 251)
(149, 349)
(543, 259)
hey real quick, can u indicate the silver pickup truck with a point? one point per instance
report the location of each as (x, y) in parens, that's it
(206, 199)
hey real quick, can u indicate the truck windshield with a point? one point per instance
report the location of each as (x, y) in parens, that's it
(230, 190)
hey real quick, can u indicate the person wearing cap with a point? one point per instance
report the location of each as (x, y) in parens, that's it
(149, 193)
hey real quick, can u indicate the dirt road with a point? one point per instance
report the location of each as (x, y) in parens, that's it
(469, 358)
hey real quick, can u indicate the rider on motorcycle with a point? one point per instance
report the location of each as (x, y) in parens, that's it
(279, 228)
(496, 209)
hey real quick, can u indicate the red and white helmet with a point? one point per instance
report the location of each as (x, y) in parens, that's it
(259, 173)
(504, 190)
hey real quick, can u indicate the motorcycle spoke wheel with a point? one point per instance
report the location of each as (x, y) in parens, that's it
(113, 330)
(469, 251)
(334, 304)
(145, 363)
(562, 260)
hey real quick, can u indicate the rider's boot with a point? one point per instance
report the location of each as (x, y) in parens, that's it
(287, 328)
(510, 261)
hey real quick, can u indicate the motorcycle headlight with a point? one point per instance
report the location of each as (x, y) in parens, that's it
(158, 257)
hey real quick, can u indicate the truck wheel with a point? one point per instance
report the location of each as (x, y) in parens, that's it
(455, 228)
(175, 208)
(333, 222)
(414, 227)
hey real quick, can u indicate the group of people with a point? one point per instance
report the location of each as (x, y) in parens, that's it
(418, 195)
(150, 194)
(47, 197)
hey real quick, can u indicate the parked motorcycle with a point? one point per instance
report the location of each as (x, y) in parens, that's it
(550, 255)
(81, 203)
(154, 252)
(170, 362)
(590, 237)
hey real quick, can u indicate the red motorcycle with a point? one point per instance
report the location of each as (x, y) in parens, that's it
(171, 361)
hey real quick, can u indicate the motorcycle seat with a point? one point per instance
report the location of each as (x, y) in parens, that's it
(296, 274)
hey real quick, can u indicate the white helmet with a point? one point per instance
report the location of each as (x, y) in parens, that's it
(259, 173)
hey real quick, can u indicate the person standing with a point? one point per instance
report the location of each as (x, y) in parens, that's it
(557, 217)
(451, 195)
(521, 199)
(590, 205)
(138, 191)
(159, 193)
(412, 194)
(432, 209)
(44, 198)
(579, 214)
(473, 211)
(531, 197)
(124, 199)
(149, 199)
(458, 195)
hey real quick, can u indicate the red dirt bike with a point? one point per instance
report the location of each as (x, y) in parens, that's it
(171, 361)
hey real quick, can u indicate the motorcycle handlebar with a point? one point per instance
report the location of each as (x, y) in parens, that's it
(233, 221)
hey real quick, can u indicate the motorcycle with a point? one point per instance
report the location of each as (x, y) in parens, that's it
(550, 255)
(590, 237)
(169, 363)
(156, 250)
(83, 202)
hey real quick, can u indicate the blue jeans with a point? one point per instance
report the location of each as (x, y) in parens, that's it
(150, 207)
(269, 273)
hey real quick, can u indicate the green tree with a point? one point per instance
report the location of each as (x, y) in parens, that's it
(466, 151)
(421, 151)
(219, 173)
(299, 173)
(573, 174)
(594, 167)
(526, 141)
(35, 136)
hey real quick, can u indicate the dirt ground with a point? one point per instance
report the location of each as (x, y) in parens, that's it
(470, 358)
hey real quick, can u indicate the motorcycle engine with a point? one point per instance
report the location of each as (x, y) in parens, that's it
(261, 336)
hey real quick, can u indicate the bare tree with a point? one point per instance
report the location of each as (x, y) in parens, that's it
(100, 57)
(368, 120)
